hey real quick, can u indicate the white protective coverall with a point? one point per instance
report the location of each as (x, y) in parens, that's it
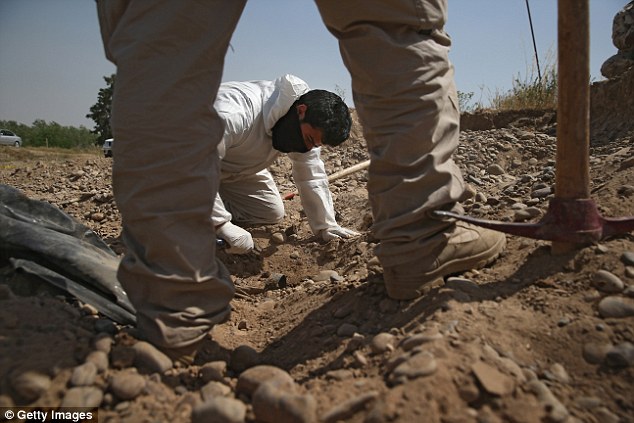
(249, 111)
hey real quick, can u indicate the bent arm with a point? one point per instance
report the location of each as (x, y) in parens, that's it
(309, 174)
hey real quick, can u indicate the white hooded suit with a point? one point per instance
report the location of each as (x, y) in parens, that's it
(247, 192)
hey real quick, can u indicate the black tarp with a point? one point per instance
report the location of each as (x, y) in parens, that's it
(38, 238)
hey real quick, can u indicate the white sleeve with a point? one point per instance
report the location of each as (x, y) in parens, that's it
(220, 215)
(309, 174)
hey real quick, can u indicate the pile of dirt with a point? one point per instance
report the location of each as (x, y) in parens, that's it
(312, 337)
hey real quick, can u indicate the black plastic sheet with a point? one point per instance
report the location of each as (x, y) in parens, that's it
(40, 239)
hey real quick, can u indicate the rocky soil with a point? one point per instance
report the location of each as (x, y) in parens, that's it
(535, 337)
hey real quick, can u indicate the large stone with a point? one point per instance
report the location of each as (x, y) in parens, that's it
(272, 405)
(252, 378)
(127, 385)
(617, 65)
(220, 410)
(82, 397)
(618, 307)
(30, 385)
(623, 28)
(149, 357)
(492, 380)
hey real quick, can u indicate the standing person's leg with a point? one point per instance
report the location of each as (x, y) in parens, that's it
(403, 88)
(169, 57)
(253, 199)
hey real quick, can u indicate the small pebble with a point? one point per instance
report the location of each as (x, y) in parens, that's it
(617, 307)
(601, 249)
(127, 385)
(628, 258)
(607, 282)
(541, 193)
(558, 373)
(243, 357)
(30, 385)
(556, 411)
(360, 358)
(99, 359)
(214, 389)
(327, 276)
(106, 326)
(493, 381)
(495, 169)
(149, 357)
(463, 284)
(413, 341)
(272, 405)
(103, 342)
(252, 378)
(346, 330)
(419, 365)
(213, 370)
(220, 410)
(84, 375)
(349, 408)
(621, 355)
(382, 342)
(595, 353)
(82, 397)
(278, 238)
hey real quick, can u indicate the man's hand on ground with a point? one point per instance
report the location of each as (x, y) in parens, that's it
(337, 232)
(239, 240)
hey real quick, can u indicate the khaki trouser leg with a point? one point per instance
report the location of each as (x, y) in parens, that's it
(404, 92)
(169, 57)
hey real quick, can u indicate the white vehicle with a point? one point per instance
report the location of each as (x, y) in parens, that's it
(9, 138)
(107, 147)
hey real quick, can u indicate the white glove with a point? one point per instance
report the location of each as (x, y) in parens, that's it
(239, 240)
(337, 232)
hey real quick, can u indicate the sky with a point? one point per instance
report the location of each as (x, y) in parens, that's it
(52, 61)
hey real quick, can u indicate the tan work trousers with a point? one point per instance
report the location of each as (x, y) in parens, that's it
(404, 93)
(169, 56)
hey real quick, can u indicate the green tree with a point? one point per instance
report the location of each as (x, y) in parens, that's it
(100, 111)
(51, 134)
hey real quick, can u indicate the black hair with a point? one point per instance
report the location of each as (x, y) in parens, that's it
(327, 111)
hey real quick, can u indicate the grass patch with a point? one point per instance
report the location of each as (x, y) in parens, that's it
(529, 92)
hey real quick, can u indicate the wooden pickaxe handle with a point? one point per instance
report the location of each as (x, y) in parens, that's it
(572, 180)
(337, 175)
(572, 173)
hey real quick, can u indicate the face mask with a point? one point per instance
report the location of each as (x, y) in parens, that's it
(287, 134)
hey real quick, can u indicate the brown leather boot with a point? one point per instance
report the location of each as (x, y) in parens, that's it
(467, 247)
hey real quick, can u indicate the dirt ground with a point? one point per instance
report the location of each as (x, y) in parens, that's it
(535, 337)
